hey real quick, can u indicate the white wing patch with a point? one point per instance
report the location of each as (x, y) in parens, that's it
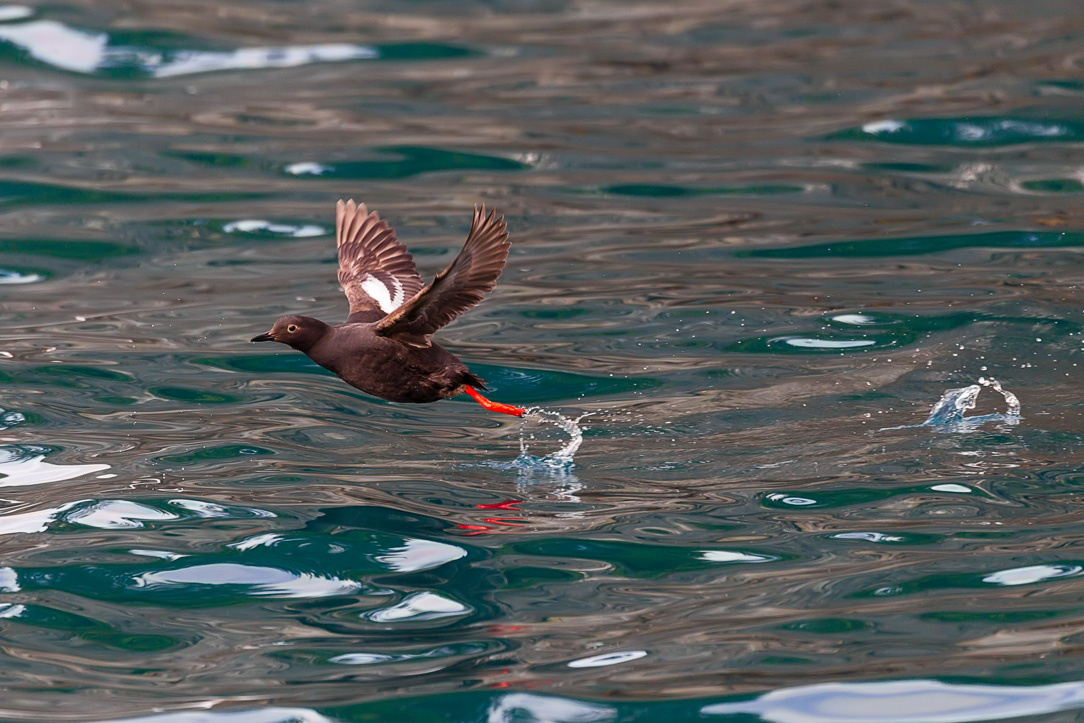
(380, 293)
(398, 300)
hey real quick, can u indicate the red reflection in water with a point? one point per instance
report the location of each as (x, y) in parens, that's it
(495, 522)
(506, 505)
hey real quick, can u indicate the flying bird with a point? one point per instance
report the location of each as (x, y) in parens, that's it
(385, 346)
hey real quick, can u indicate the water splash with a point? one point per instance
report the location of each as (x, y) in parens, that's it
(556, 465)
(563, 458)
(948, 414)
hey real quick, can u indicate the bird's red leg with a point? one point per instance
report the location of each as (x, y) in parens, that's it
(494, 406)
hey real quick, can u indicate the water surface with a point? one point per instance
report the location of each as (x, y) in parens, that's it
(750, 239)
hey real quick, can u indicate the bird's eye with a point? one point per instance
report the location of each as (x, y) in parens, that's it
(291, 328)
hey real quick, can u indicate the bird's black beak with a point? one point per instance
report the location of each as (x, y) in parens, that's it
(263, 337)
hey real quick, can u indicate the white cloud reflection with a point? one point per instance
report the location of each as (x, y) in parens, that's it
(89, 52)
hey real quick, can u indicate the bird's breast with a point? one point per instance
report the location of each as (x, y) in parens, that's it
(390, 370)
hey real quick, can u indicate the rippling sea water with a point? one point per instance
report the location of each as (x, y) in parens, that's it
(754, 242)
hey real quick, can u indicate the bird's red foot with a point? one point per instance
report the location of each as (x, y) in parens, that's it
(494, 406)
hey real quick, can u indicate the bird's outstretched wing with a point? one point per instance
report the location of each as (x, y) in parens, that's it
(376, 271)
(456, 289)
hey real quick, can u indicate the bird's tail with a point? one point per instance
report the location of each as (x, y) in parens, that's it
(475, 381)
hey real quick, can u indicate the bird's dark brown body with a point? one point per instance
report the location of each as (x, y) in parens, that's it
(386, 368)
(385, 346)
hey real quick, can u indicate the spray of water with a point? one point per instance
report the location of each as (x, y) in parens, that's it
(948, 413)
(555, 465)
(562, 458)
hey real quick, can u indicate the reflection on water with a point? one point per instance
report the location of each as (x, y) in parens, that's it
(21, 466)
(906, 700)
(82, 51)
(753, 245)
(271, 714)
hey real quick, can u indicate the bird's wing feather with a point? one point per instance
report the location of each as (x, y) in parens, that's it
(376, 271)
(459, 287)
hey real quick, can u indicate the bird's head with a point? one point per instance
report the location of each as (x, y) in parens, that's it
(299, 332)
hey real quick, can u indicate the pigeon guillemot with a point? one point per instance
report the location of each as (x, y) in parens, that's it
(385, 346)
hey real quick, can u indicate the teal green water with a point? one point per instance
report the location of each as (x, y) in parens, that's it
(754, 244)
